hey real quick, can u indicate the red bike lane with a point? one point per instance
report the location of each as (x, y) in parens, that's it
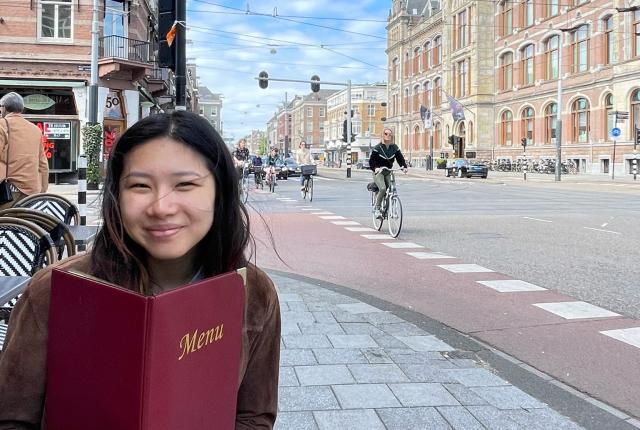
(571, 351)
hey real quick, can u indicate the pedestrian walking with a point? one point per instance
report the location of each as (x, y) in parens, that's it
(22, 158)
(171, 216)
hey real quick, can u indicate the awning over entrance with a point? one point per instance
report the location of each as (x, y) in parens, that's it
(38, 83)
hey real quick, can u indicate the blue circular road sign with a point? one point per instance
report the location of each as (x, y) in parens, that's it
(615, 132)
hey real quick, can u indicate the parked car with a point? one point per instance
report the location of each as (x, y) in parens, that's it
(292, 166)
(466, 169)
(364, 164)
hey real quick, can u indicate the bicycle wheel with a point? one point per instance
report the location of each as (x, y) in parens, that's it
(310, 186)
(272, 183)
(394, 216)
(244, 191)
(305, 188)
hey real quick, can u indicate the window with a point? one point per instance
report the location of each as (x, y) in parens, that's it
(528, 125)
(406, 100)
(609, 119)
(201, 111)
(56, 19)
(309, 127)
(580, 47)
(506, 71)
(506, 125)
(552, 8)
(406, 65)
(635, 110)
(395, 70)
(322, 112)
(579, 2)
(580, 120)
(636, 31)
(506, 17)
(437, 51)
(371, 110)
(426, 95)
(416, 60)
(609, 40)
(437, 89)
(309, 112)
(416, 98)
(462, 29)
(551, 57)
(436, 135)
(426, 54)
(527, 65)
(461, 79)
(527, 12)
(214, 111)
(550, 120)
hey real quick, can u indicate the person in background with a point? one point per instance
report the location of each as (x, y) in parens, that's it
(303, 157)
(240, 156)
(383, 155)
(271, 165)
(21, 151)
(171, 216)
(257, 169)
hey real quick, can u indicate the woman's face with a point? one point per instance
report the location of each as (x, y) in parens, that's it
(167, 197)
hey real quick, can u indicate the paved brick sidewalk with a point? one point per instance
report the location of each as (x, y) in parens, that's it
(348, 365)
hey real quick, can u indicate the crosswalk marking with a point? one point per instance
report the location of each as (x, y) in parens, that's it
(376, 236)
(345, 222)
(321, 213)
(311, 209)
(428, 255)
(511, 286)
(397, 245)
(465, 268)
(359, 229)
(576, 310)
(630, 336)
(332, 217)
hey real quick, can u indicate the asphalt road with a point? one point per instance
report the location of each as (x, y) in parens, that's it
(580, 240)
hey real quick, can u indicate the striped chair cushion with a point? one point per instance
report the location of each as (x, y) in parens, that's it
(22, 252)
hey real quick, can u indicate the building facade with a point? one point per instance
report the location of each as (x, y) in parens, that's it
(210, 107)
(308, 117)
(45, 55)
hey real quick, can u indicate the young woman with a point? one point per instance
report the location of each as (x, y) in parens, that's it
(172, 216)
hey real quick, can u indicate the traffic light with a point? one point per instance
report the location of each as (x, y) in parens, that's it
(523, 141)
(166, 18)
(344, 130)
(263, 80)
(315, 87)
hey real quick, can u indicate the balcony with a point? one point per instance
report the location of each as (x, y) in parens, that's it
(160, 82)
(123, 58)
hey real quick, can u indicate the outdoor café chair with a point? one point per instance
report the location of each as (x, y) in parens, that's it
(52, 204)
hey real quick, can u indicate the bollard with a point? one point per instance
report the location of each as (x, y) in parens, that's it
(82, 188)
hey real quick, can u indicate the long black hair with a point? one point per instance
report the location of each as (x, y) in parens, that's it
(118, 259)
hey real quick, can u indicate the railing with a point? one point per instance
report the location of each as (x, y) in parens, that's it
(160, 74)
(124, 48)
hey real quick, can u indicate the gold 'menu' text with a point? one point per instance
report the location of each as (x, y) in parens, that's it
(192, 342)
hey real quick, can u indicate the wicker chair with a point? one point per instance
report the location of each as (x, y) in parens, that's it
(52, 204)
(57, 229)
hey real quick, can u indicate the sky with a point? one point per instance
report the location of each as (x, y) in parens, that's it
(232, 41)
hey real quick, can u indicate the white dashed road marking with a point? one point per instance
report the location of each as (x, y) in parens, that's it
(428, 255)
(321, 213)
(311, 209)
(345, 222)
(332, 217)
(626, 335)
(537, 219)
(376, 236)
(604, 231)
(576, 310)
(359, 229)
(402, 245)
(511, 286)
(464, 268)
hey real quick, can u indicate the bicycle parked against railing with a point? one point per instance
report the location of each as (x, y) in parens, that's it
(244, 183)
(308, 171)
(391, 208)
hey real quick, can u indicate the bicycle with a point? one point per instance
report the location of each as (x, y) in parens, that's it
(308, 171)
(391, 207)
(244, 183)
(258, 173)
(270, 178)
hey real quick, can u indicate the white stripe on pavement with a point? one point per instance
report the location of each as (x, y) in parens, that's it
(376, 236)
(464, 268)
(511, 286)
(332, 217)
(321, 213)
(576, 310)
(345, 222)
(359, 229)
(311, 209)
(402, 245)
(428, 255)
(626, 335)
(604, 231)
(537, 219)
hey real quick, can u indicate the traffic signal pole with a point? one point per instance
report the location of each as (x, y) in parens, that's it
(181, 55)
(349, 128)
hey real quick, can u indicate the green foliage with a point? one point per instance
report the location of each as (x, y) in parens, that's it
(263, 146)
(92, 140)
(441, 163)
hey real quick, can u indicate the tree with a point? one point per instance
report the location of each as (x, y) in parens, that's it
(92, 141)
(263, 146)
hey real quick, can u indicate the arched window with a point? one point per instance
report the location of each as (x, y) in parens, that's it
(580, 48)
(417, 138)
(528, 124)
(580, 120)
(406, 101)
(506, 125)
(635, 109)
(437, 51)
(395, 69)
(426, 94)
(552, 50)
(636, 31)
(506, 17)
(437, 133)
(470, 135)
(437, 91)
(405, 141)
(609, 119)
(416, 98)
(552, 8)
(416, 60)
(407, 65)
(426, 53)
(528, 15)
(527, 64)
(550, 120)
(506, 71)
(609, 40)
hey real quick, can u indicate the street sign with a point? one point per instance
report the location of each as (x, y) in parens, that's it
(615, 132)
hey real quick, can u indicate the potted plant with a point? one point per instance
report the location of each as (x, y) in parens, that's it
(441, 163)
(92, 139)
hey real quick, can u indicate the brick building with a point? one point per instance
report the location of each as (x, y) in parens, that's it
(308, 120)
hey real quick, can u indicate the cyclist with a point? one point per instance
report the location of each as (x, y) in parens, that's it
(240, 156)
(383, 155)
(271, 165)
(303, 157)
(257, 169)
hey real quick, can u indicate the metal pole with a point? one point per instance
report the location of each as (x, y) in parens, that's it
(559, 113)
(93, 87)
(635, 154)
(524, 161)
(82, 189)
(181, 55)
(615, 139)
(349, 129)
(286, 129)
(431, 128)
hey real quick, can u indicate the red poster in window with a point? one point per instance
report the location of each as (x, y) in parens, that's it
(111, 134)
(48, 145)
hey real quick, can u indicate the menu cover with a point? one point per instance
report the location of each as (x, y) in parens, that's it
(121, 360)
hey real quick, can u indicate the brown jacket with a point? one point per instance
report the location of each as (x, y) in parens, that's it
(24, 358)
(28, 167)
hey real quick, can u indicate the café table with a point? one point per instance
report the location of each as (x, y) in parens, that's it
(83, 235)
(12, 286)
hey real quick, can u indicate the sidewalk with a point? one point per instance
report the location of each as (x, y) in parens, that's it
(348, 365)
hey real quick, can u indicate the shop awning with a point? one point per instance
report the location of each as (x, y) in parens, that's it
(38, 83)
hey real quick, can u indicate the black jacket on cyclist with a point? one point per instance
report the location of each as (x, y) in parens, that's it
(383, 156)
(241, 154)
